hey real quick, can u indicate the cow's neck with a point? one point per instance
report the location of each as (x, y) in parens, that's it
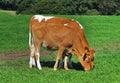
(78, 47)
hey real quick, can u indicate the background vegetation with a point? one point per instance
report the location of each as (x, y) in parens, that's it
(102, 33)
(81, 7)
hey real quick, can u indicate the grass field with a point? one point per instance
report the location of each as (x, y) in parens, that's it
(102, 32)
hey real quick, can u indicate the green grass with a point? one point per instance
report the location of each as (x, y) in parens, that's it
(102, 33)
(13, 32)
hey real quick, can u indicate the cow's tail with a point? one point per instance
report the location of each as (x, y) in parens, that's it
(31, 41)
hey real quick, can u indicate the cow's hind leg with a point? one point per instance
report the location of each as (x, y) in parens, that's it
(69, 61)
(37, 54)
(32, 57)
(61, 61)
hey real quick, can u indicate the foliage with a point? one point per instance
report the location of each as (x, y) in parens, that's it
(41, 6)
(9, 4)
(103, 7)
(92, 12)
(107, 7)
(25, 7)
(117, 12)
(50, 7)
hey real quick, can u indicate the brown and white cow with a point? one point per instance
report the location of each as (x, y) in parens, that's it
(62, 34)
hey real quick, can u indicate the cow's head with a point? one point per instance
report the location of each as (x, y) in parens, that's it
(88, 59)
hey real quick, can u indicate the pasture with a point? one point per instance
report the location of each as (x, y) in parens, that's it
(102, 32)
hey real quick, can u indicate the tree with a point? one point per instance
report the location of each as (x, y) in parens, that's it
(25, 7)
(50, 7)
(107, 7)
(70, 6)
(41, 7)
(9, 4)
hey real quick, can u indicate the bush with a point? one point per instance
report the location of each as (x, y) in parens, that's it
(24, 7)
(107, 7)
(117, 12)
(92, 12)
(41, 7)
(89, 7)
(9, 4)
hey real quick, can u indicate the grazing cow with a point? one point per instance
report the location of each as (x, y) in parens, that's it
(62, 34)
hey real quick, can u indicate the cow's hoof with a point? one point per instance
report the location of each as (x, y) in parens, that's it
(55, 69)
(40, 68)
(30, 66)
(34, 65)
(66, 69)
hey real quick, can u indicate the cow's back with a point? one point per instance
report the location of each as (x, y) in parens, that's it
(58, 20)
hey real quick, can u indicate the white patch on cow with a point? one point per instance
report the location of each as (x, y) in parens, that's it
(65, 24)
(80, 25)
(40, 17)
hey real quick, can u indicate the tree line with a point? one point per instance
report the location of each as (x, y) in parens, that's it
(81, 7)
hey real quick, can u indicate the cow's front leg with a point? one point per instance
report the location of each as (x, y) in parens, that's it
(65, 62)
(59, 56)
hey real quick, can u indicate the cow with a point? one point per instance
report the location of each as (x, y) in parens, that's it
(62, 34)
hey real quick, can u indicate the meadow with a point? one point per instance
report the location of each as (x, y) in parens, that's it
(102, 33)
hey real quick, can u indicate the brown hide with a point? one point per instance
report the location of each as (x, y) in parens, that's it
(62, 33)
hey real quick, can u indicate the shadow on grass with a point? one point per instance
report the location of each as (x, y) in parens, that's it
(50, 64)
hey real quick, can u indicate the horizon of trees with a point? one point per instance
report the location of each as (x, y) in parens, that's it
(81, 7)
